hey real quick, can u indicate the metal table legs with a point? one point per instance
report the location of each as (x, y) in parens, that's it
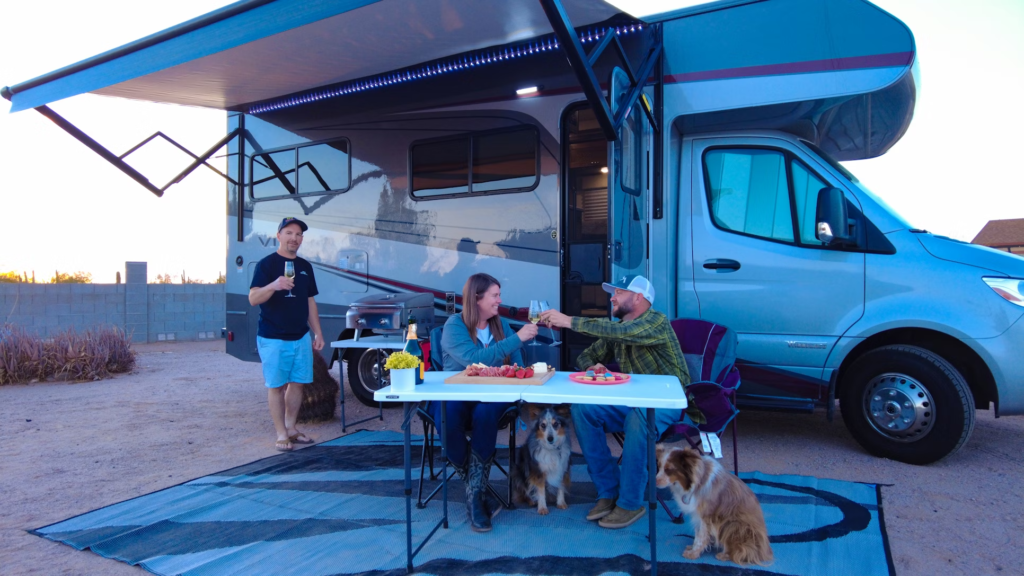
(652, 498)
(380, 405)
(409, 409)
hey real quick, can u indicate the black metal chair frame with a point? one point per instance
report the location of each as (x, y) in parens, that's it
(509, 418)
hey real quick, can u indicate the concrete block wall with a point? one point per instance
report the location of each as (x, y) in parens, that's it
(149, 312)
(48, 308)
(185, 311)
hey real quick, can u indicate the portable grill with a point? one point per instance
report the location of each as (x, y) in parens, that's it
(389, 313)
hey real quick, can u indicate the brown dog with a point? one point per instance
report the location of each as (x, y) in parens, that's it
(725, 511)
(542, 463)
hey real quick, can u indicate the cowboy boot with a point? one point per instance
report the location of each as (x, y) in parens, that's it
(492, 505)
(479, 520)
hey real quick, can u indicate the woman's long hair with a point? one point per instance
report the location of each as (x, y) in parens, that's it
(476, 286)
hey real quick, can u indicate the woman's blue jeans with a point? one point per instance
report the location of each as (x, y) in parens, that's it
(592, 422)
(480, 417)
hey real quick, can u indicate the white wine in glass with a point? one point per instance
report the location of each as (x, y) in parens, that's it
(289, 272)
(543, 308)
(534, 317)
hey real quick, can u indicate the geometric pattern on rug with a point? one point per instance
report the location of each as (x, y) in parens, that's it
(338, 508)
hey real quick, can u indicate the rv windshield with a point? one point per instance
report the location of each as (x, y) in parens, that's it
(853, 180)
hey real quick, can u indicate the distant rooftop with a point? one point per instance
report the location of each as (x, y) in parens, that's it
(1001, 233)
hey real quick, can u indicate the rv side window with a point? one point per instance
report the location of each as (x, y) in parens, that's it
(273, 174)
(311, 169)
(805, 191)
(440, 168)
(505, 161)
(748, 192)
(323, 167)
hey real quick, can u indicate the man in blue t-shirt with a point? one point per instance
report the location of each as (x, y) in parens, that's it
(287, 313)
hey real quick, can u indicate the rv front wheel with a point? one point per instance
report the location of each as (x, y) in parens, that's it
(362, 376)
(906, 403)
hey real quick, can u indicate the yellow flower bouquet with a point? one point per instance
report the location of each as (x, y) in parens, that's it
(402, 361)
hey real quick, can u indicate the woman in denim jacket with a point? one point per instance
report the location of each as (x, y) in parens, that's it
(478, 335)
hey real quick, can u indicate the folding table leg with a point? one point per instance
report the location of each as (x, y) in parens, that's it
(407, 457)
(652, 499)
(444, 465)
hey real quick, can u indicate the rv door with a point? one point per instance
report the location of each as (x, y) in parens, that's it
(628, 187)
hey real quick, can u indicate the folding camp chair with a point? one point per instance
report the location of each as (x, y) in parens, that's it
(507, 419)
(710, 353)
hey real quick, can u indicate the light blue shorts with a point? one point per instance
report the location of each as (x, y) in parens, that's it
(286, 361)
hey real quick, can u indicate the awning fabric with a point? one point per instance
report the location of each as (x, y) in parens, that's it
(287, 46)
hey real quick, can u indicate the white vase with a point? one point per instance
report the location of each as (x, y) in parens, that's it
(403, 380)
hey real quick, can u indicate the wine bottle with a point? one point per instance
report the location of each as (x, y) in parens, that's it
(412, 346)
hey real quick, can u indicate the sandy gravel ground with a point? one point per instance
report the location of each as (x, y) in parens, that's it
(191, 410)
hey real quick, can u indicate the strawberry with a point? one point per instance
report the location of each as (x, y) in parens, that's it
(511, 373)
(529, 372)
(520, 373)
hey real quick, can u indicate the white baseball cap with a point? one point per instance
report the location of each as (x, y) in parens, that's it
(637, 284)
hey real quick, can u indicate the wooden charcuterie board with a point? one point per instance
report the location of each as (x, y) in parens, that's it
(461, 378)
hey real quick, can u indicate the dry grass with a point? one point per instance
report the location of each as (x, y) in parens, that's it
(68, 355)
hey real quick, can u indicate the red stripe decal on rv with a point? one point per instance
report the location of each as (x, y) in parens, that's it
(827, 65)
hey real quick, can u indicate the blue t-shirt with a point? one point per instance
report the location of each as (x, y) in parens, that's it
(283, 318)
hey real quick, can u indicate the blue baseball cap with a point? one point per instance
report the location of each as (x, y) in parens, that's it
(638, 284)
(291, 220)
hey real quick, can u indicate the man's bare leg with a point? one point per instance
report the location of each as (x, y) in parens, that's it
(276, 399)
(292, 403)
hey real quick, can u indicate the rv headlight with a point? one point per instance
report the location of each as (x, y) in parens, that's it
(1011, 289)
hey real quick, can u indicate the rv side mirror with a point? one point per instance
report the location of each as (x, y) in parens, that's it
(832, 226)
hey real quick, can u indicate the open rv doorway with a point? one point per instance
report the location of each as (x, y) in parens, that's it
(585, 241)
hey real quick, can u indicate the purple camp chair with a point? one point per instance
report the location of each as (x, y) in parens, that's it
(710, 352)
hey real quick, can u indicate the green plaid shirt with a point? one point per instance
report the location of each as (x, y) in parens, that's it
(644, 345)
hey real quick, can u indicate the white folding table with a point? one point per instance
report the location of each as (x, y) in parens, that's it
(378, 343)
(646, 391)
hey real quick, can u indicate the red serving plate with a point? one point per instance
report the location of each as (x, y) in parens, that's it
(578, 377)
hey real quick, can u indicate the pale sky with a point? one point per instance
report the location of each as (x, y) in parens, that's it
(65, 208)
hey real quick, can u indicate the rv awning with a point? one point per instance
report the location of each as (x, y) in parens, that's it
(255, 50)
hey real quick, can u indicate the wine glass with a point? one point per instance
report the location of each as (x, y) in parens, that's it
(289, 272)
(544, 307)
(534, 317)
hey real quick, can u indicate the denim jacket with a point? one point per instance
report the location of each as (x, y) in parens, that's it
(460, 350)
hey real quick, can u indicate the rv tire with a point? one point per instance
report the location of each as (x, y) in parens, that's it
(362, 376)
(906, 403)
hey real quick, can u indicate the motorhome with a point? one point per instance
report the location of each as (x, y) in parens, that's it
(559, 144)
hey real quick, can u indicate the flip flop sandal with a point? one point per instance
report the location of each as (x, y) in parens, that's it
(301, 438)
(283, 446)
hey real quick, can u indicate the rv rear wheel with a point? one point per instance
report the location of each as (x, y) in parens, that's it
(906, 403)
(362, 376)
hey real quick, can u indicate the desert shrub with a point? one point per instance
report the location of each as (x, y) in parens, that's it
(68, 355)
(21, 356)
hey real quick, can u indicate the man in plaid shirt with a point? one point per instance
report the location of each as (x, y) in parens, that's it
(642, 343)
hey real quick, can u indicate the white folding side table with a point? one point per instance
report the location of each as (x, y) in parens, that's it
(434, 389)
(378, 343)
(647, 391)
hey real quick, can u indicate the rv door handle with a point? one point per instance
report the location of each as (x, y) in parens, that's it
(721, 264)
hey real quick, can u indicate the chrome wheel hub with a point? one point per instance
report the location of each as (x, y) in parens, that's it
(369, 369)
(899, 407)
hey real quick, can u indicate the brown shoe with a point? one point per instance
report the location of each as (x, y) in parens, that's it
(603, 508)
(620, 517)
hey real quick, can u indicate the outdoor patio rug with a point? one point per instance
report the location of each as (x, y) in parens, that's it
(338, 508)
